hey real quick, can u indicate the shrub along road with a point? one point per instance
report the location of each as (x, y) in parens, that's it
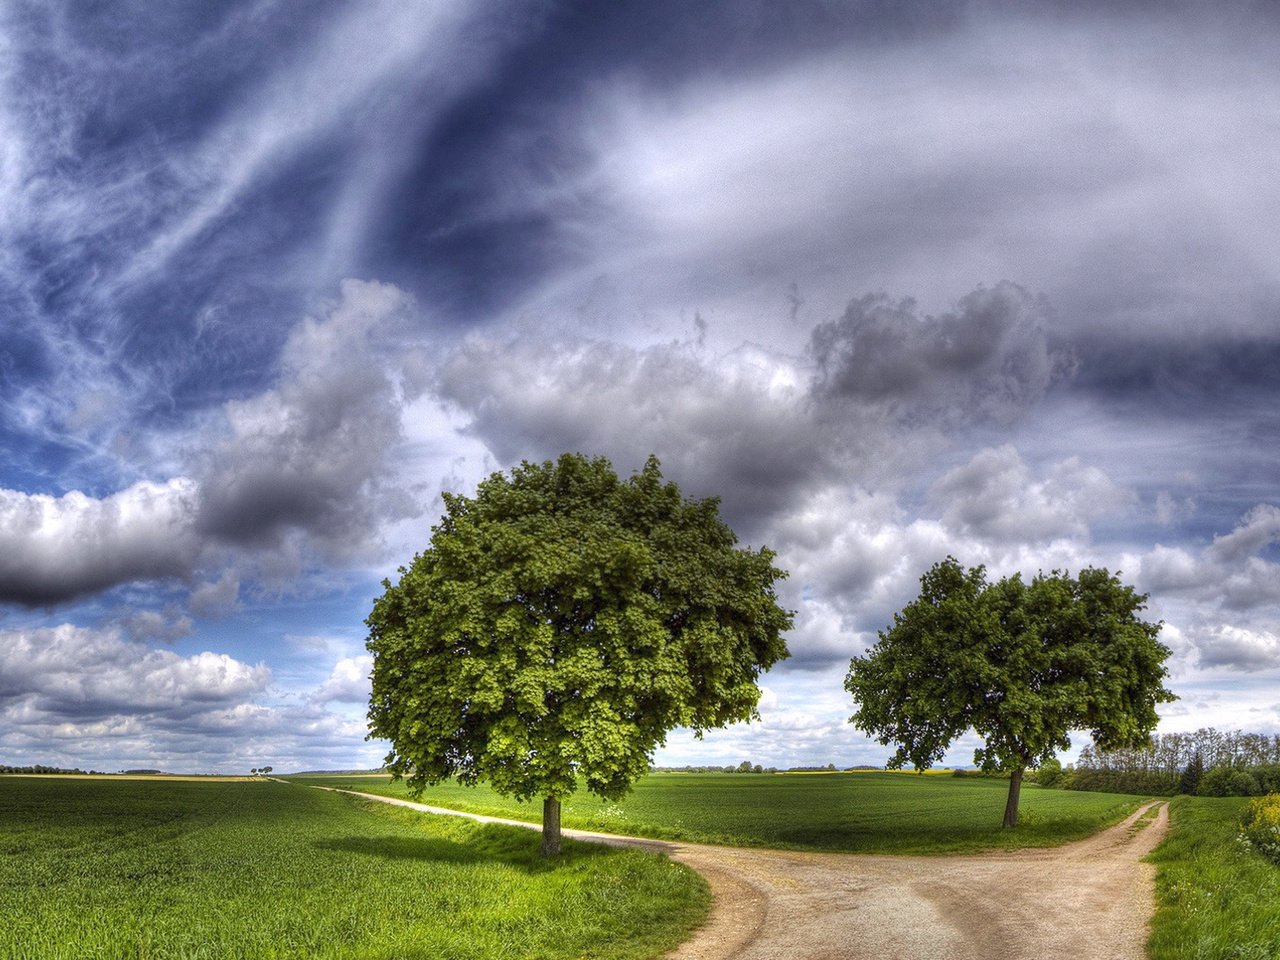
(1092, 898)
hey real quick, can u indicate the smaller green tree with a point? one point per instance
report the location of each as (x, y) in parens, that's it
(1020, 664)
(559, 624)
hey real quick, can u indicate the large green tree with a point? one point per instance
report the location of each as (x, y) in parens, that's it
(1021, 664)
(560, 623)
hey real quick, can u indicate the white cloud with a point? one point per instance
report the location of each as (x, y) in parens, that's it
(167, 626)
(85, 697)
(216, 598)
(1239, 648)
(1258, 529)
(1230, 574)
(995, 497)
(998, 150)
(75, 672)
(53, 548)
(348, 682)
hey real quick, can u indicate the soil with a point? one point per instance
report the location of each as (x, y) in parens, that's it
(1092, 898)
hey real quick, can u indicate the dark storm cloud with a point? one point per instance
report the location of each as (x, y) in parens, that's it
(1206, 372)
(57, 549)
(736, 427)
(302, 469)
(312, 453)
(756, 428)
(988, 359)
(1195, 409)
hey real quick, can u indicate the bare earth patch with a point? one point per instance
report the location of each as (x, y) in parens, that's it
(1092, 898)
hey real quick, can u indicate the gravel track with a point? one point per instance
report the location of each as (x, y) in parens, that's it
(1089, 899)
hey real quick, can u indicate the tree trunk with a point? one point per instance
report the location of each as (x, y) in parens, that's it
(1011, 805)
(550, 827)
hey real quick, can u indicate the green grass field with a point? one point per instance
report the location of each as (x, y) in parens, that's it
(207, 870)
(857, 812)
(1217, 899)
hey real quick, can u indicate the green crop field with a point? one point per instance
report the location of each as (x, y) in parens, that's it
(159, 869)
(858, 812)
(1217, 899)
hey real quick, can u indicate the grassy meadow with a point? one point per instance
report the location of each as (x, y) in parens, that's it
(1216, 898)
(158, 869)
(863, 812)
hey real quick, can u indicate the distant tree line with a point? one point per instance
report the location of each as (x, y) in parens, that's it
(746, 766)
(1208, 762)
(42, 768)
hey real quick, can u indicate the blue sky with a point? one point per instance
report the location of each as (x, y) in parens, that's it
(894, 280)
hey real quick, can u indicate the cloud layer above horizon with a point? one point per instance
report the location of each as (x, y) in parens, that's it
(892, 283)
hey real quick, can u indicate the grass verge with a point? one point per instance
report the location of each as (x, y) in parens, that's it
(852, 812)
(1216, 899)
(102, 870)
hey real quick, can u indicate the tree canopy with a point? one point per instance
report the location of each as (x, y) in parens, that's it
(559, 624)
(1020, 664)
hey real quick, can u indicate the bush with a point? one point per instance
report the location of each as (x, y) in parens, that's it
(1144, 783)
(1260, 825)
(1242, 783)
(1214, 783)
(1049, 774)
(1268, 775)
(1226, 782)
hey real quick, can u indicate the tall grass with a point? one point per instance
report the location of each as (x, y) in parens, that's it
(1217, 899)
(151, 870)
(855, 812)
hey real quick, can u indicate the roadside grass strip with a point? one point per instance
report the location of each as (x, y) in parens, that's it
(111, 870)
(1218, 898)
(850, 812)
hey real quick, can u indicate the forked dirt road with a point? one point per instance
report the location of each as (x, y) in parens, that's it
(1089, 900)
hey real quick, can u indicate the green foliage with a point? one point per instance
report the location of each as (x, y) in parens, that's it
(852, 812)
(1050, 773)
(1217, 898)
(1020, 664)
(1146, 783)
(1226, 782)
(560, 623)
(41, 769)
(1260, 825)
(173, 870)
(1222, 781)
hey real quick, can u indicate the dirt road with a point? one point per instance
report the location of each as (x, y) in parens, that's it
(1090, 899)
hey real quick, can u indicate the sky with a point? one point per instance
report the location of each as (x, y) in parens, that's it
(894, 280)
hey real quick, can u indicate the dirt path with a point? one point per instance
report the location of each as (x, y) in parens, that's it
(1089, 899)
